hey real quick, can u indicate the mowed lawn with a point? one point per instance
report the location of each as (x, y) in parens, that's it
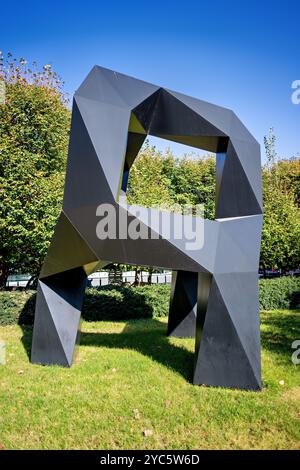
(129, 378)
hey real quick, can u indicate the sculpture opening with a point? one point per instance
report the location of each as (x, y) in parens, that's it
(173, 176)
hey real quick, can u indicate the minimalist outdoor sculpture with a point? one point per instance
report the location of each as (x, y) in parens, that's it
(215, 288)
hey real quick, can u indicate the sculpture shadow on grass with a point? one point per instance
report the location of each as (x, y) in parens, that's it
(147, 336)
(281, 330)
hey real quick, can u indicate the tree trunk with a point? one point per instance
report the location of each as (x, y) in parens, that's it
(3, 277)
(150, 276)
(137, 279)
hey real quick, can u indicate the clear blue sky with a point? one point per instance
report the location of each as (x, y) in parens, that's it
(240, 54)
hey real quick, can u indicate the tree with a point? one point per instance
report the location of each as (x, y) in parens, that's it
(148, 186)
(280, 246)
(281, 227)
(270, 149)
(289, 174)
(192, 181)
(159, 179)
(34, 129)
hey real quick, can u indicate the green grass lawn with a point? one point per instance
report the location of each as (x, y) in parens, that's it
(129, 377)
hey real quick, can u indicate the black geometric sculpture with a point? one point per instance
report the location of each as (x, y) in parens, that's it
(214, 289)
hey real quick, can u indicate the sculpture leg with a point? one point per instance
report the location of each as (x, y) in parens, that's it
(60, 295)
(183, 305)
(57, 317)
(228, 331)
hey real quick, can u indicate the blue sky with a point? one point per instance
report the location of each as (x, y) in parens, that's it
(240, 54)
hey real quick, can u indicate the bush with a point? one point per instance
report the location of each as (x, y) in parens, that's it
(105, 303)
(124, 303)
(17, 307)
(119, 303)
(279, 293)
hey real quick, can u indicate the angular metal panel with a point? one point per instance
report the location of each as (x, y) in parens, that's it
(110, 141)
(221, 359)
(239, 292)
(183, 304)
(46, 346)
(67, 250)
(57, 317)
(236, 197)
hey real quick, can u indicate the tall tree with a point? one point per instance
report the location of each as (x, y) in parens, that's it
(280, 246)
(34, 129)
(288, 171)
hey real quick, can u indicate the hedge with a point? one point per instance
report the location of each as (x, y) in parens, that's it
(124, 303)
(279, 293)
(104, 303)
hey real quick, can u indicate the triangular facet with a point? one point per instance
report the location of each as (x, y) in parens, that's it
(248, 153)
(134, 144)
(97, 87)
(107, 127)
(145, 111)
(84, 171)
(66, 319)
(221, 360)
(173, 117)
(220, 117)
(67, 250)
(235, 196)
(183, 305)
(239, 292)
(235, 252)
(135, 126)
(115, 88)
(46, 345)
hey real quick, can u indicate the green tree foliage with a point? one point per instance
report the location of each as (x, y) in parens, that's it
(148, 184)
(34, 128)
(159, 179)
(193, 181)
(289, 175)
(280, 246)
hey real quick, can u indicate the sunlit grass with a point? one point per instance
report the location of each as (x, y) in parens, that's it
(129, 377)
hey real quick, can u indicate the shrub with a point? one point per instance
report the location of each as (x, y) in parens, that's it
(17, 307)
(118, 303)
(279, 293)
(105, 303)
(124, 303)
